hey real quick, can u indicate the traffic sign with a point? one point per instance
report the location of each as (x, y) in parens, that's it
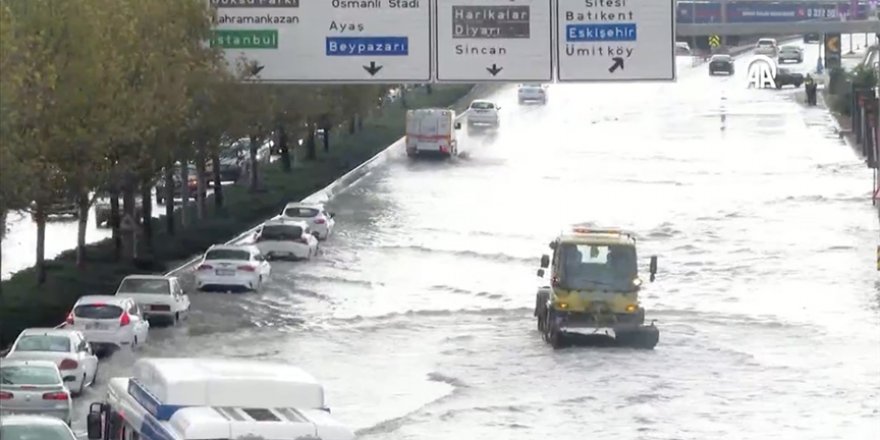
(494, 40)
(714, 41)
(832, 51)
(324, 41)
(615, 40)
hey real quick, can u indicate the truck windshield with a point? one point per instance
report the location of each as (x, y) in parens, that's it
(606, 267)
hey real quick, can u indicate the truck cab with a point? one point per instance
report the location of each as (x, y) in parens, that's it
(431, 131)
(594, 286)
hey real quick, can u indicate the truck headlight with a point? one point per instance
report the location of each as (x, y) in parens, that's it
(631, 308)
(562, 305)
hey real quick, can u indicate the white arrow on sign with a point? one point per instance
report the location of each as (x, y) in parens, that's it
(615, 41)
(323, 41)
(494, 40)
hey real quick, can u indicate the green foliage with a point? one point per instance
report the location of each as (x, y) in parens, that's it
(842, 83)
(26, 304)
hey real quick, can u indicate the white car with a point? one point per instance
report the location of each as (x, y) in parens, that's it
(34, 387)
(109, 322)
(22, 427)
(67, 348)
(482, 112)
(767, 46)
(316, 216)
(281, 238)
(159, 297)
(532, 93)
(228, 267)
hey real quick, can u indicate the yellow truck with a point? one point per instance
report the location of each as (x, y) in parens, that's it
(594, 287)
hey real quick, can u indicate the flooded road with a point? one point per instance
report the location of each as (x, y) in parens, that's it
(418, 314)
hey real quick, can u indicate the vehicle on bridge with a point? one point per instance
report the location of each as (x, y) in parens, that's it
(594, 285)
(785, 77)
(767, 46)
(195, 399)
(721, 63)
(790, 53)
(431, 131)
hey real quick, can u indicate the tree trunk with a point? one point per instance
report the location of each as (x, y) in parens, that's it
(114, 220)
(352, 124)
(201, 190)
(360, 124)
(327, 138)
(147, 216)
(218, 184)
(82, 204)
(128, 216)
(311, 153)
(286, 164)
(255, 178)
(40, 219)
(428, 89)
(169, 198)
(184, 193)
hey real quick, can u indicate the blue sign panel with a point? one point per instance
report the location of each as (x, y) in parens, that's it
(367, 46)
(575, 33)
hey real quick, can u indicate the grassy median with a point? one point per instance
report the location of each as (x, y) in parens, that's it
(25, 304)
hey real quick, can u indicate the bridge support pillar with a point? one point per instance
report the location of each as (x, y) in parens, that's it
(724, 39)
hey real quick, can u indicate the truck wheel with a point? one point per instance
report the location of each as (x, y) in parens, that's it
(648, 337)
(553, 335)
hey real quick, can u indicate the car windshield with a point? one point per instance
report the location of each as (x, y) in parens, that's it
(29, 375)
(281, 232)
(300, 212)
(721, 58)
(35, 432)
(97, 311)
(766, 43)
(60, 344)
(482, 105)
(611, 267)
(789, 49)
(145, 286)
(228, 254)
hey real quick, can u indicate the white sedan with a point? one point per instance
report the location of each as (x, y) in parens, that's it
(228, 267)
(67, 348)
(319, 220)
(532, 93)
(22, 427)
(482, 112)
(282, 238)
(159, 297)
(109, 322)
(34, 387)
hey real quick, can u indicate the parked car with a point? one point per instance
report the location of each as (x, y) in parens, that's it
(108, 322)
(103, 209)
(785, 77)
(228, 267)
(320, 221)
(192, 183)
(721, 63)
(790, 53)
(23, 427)
(159, 297)
(36, 388)
(67, 348)
(283, 238)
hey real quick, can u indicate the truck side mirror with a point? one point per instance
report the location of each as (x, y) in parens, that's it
(552, 245)
(653, 268)
(93, 421)
(545, 261)
(458, 125)
(540, 273)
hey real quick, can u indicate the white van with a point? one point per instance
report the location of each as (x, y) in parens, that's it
(432, 131)
(196, 399)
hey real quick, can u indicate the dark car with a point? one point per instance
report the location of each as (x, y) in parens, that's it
(790, 53)
(785, 77)
(192, 183)
(721, 63)
(812, 38)
(103, 208)
(232, 161)
(62, 206)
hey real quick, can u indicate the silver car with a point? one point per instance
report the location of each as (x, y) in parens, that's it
(34, 387)
(20, 427)
(790, 53)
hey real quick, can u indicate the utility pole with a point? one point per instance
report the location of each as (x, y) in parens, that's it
(723, 21)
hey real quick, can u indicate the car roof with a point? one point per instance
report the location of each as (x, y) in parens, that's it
(231, 247)
(304, 205)
(721, 55)
(286, 222)
(482, 101)
(34, 363)
(146, 277)
(49, 331)
(22, 419)
(108, 299)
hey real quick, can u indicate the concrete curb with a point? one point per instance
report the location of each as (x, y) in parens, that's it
(337, 186)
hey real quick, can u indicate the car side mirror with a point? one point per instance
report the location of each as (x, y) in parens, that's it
(553, 245)
(332, 214)
(69, 378)
(540, 273)
(458, 125)
(545, 261)
(653, 268)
